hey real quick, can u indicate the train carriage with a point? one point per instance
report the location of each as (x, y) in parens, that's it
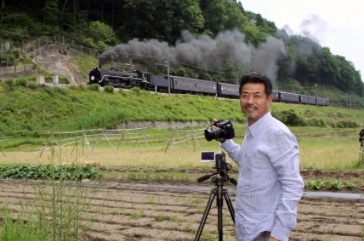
(158, 83)
(289, 97)
(306, 99)
(275, 95)
(187, 85)
(227, 90)
(322, 101)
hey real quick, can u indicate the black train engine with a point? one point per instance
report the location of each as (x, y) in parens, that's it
(119, 78)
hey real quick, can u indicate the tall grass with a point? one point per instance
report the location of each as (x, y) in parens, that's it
(23, 228)
(58, 211)
(320, 148)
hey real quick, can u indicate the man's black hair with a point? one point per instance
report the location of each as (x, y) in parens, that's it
(257, 78)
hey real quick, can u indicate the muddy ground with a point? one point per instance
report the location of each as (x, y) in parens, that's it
(135, 212)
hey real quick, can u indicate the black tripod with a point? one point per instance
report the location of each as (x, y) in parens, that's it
(361, 152)
(219, 191)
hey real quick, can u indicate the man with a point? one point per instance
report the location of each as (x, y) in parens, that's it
(269, 183)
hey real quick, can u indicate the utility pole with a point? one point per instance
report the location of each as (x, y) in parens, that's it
(316, 88)
(6, 46)
(169, 82)
(166, 64)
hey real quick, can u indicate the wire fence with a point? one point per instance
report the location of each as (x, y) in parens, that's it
(34, 47)
(16, 71)
(90, 139)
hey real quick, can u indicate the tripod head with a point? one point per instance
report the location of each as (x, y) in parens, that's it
(221, 175)
(361, 137)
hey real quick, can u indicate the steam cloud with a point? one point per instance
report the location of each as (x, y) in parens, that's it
(205, 52)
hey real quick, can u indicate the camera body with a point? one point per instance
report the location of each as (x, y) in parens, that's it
(361, 136)
(221, 166)
(220, 130)
(218, 157)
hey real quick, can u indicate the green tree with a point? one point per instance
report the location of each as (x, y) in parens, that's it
(187, 15)
(234, 16)
(229, 72)
(50, 12)
(99, 31)
(214, 15)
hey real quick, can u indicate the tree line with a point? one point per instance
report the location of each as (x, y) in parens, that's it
(102, 24)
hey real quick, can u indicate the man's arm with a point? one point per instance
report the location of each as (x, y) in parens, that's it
(232, 149)
(285, 160)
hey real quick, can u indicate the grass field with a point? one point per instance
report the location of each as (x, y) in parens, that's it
(320, 148)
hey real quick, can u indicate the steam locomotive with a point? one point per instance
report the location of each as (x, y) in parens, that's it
(182, 85)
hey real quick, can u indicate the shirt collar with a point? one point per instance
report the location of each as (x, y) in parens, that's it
(258, 125)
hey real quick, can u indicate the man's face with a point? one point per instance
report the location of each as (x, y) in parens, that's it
(254, 103)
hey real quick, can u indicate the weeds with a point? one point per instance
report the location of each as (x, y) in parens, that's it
(60, 205)
(137, 214)
(22, 228)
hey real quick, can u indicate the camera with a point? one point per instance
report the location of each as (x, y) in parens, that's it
(220, 130)
(361, 135)
(218, 157)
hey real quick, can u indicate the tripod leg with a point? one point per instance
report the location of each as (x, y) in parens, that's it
(220, 202)
(206, 213)
(230, 205)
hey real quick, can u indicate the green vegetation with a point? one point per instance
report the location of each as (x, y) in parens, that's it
(137, 214)
(100, 25)
(335, 185)
(58, 208)
(30, 112)
(21, 229)
(46, 172)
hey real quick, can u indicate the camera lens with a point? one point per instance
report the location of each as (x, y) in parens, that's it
(212, 133)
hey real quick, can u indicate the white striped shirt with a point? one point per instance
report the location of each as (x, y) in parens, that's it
(269, 184)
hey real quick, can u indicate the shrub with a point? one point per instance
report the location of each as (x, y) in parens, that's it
(21, 82)
(109, 89)
(93, 87)
(315, 122)
(289, 117)
(347, 124)
(9, 84)
(32, 85)
(136, 90)
(122, 92)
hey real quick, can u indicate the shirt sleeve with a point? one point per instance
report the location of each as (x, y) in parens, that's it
(285, 160)
(232, 149)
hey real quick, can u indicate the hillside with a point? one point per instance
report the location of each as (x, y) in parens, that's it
(59, 60)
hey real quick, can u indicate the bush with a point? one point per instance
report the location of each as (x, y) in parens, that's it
(21, 82)
(315, 122)
(347, 124)
(122, 92)
(136, 90)
(32, 85)
(9, 84)
(109, 89)
(93, 87)
(289, 117)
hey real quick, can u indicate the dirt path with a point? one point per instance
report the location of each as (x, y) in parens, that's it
(59, 60)
(134, 213)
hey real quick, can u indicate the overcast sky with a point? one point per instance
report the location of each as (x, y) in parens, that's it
(338, 25)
